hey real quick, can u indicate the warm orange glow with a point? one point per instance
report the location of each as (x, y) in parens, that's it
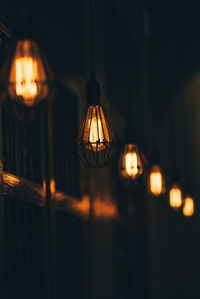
(156, 183)
(27, 74)
(83, 206)
(188, 208)
(104, 209)
(130, 165)
(10, 179)
(101, 208)
(26, 71)
(52, 186)
(96, 132)
(175, 196)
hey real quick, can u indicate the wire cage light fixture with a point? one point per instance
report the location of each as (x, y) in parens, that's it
(155, 175)
(26, 78)
(96, 142)
(132, 160)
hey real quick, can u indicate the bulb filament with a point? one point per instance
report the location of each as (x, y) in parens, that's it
(26, 72)
(96, 132)
(131, 164)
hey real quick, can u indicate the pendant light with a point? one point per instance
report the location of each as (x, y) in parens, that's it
(96, 142)
(188, 201)
(131, 161)
(25, 78)
(175, 196)
(175, 191)
(155, 177)
(188, 206)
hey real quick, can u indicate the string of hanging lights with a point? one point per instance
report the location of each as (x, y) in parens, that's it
(131, 162)
(26, 79)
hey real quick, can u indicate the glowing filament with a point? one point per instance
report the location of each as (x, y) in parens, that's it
(131, 164)
(188, 208)
(175, 197)
(156, 183)
(26, 72)
(96, 132)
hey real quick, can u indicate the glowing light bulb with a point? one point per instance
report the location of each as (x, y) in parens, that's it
(130, 165)
(188, 208)
(156, 183)
(26, 71)
(175, 196)
(96, 136)
(27, 75)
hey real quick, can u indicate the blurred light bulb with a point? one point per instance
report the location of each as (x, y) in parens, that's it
(175, 196)
(188, 208)
(130, 164)
(27, 75)
(26, 71)
(156, 182)
(96, 135)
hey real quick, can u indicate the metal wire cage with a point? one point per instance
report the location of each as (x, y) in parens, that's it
(96, 142)
(25, 77)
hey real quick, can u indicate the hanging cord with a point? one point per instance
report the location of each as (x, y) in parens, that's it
(130, 133)
(185, 149)
(127, 58)
(173, 148)
(92, 73)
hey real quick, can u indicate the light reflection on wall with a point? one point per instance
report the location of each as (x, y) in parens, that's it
(52, 187)
(104, 209)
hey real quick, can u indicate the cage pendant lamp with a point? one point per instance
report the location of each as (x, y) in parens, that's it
(96, 142)
(131, 161)
(26, 77)
(155, 177)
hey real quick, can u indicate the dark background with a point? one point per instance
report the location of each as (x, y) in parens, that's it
(145, 250)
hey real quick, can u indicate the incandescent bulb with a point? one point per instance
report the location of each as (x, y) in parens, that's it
(175, 196)
(156, 182)
(188, 208)
(130, 165)
(27, 81)
(96, 142)
(95, 136)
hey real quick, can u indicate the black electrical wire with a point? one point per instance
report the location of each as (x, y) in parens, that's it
(127, 58)
(91, 12)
